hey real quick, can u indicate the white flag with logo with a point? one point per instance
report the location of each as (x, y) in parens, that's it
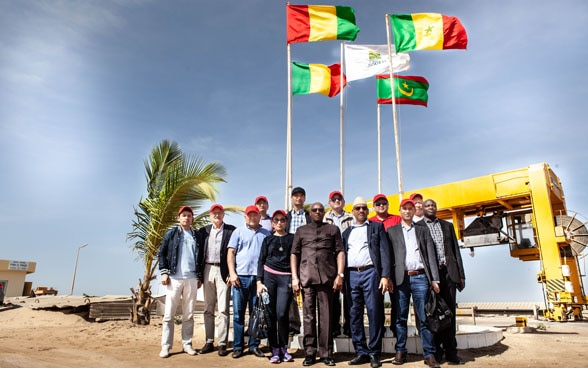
(364, 61)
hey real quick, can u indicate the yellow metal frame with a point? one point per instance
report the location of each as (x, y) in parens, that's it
(535, 189)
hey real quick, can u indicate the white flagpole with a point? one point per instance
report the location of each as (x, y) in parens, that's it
(341, 120)
(396, 137)
(287, 203)
(379, 150)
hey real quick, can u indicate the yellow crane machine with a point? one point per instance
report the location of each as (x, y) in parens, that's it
(526, 209)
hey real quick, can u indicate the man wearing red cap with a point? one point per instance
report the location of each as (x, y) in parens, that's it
(337, 216)
(262, 205)
(242, 260)
(214, 275)
(416, 271)
(419, 214)
(178, 256)
(380, 205)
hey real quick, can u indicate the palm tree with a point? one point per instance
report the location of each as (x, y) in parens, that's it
(173, 180)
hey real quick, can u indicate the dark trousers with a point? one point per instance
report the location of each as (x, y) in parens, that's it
(336, 313)
(364, 292)
(445, 340)
(279, 288)
(317, 298)
(294, 315)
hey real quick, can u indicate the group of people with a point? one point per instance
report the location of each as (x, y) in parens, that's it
(320, 257)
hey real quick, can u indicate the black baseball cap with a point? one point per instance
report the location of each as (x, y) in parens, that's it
(298, 190)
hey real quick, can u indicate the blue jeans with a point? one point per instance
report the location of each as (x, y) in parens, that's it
(243, 296)
(417, 286)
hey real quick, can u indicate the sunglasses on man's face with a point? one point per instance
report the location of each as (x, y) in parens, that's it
(317, 210)
(275, 221)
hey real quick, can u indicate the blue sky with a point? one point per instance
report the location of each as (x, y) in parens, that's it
(88, 88)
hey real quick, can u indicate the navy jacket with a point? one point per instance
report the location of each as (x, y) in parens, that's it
(169, 249)
(379, 248)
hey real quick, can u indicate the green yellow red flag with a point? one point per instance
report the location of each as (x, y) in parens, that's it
(427, 31)
(311, 23)
(407, 90)
(316, 78)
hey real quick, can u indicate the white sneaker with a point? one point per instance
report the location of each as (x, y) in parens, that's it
(164, 353)
(189, 350)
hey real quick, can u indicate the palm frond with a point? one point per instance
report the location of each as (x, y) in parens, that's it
(173, 180)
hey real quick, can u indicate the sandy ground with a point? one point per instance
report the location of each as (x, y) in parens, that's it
(40, 338)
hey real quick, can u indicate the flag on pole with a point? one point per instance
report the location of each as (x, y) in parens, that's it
(364, 61)
(311, 23)
(407, 90)
(316, 78)
(427, 31)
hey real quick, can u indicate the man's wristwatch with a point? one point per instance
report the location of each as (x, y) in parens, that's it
(341, 275)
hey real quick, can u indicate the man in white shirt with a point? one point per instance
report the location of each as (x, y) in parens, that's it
(214, 275)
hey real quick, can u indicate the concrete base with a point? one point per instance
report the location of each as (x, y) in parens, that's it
(468, 337)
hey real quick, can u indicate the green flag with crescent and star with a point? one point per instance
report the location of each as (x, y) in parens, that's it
(407, 90)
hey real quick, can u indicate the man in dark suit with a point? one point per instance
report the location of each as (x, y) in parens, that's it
(451, 276)
(415, 272)
(317, 261)
(214, 274)
(368, 274)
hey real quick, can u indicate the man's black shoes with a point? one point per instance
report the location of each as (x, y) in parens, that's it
(359, 359)
(375, 361)
(308, 361)
(328, 361)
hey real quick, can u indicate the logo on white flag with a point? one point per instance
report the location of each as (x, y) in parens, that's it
(364, 61)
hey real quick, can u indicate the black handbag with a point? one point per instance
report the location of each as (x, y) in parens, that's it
(438, 313)
(259, 322)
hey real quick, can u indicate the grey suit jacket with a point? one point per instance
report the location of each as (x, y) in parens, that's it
(426, 250)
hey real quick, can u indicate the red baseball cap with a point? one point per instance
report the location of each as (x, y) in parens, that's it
(281, 212)
(250, 209)
(216, 206)
(414, 195)
(185, 208)
(334, 193)
(379, 196)
(406, 201)
(259, 198)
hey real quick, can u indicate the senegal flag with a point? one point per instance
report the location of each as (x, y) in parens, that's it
(427, 31)
(311, 23)
(407, 90)
(316, 78)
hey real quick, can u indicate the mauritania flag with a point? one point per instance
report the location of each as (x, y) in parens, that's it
(316, 78)
(364, 61)
(311, 23)
(407, 90)
(427, 31)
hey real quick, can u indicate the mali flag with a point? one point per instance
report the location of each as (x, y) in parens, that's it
(316, 78)
(427, 31)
